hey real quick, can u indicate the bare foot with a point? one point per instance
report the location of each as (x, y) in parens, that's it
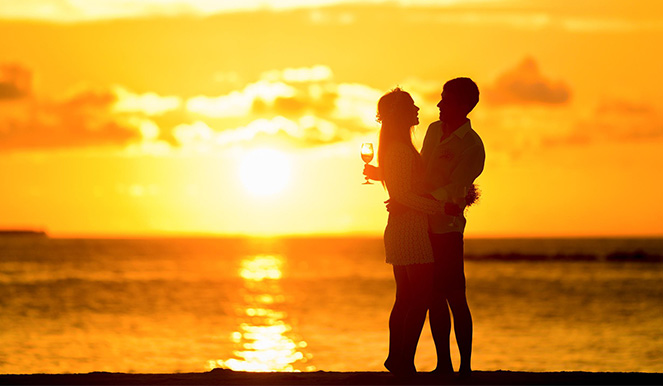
(439, 371)
(399, 368)
(464, 373)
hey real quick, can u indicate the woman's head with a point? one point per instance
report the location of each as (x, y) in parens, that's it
(397, 108)
(398, 114)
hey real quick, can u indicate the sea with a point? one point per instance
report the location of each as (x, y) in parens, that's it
(168, 305)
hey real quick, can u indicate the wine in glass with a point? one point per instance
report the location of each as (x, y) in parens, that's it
(367, 156)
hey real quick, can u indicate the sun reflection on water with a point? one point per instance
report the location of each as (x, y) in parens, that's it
(264, 341)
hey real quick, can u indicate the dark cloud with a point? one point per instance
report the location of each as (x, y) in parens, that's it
(91, 99)
(23, 136)
(615, 121)
(622, 120)
(621, 107)
(525, 84)
(290, 106)
(15, 81)
(84, 119)
(305, 103)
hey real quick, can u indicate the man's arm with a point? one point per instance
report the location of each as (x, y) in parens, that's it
(469, 167)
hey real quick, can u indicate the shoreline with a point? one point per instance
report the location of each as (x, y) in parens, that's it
(229, 377)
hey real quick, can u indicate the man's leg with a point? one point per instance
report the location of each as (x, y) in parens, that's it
(421, 278)
(449, 286)
(463, 328)
(440, 326)
(440, 322)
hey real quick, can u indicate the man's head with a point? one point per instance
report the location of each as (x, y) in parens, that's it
(459, 96)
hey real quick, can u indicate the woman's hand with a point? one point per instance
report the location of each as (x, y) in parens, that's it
(395, 207)
(372, 172)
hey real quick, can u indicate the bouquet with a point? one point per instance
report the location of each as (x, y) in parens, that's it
(471, 198)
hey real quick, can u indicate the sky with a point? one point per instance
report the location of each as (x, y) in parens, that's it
(131, 118)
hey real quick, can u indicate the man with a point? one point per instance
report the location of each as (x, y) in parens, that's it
(454, 156)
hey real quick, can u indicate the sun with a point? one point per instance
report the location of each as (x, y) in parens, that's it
(265, 171)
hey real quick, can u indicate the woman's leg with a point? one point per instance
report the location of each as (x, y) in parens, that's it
(420, 279)
(394, 362)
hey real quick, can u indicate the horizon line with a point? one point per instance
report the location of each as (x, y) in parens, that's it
(358, 235)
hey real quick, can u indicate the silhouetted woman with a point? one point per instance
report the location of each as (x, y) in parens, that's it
(406, 241)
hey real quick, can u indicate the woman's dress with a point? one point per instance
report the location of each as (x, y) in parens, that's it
(406, 235)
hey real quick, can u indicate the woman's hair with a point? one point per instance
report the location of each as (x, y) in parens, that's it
(394, 113)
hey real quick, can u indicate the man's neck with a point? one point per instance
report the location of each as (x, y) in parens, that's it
(449, 127)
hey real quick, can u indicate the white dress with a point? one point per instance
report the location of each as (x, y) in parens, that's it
(406, 235)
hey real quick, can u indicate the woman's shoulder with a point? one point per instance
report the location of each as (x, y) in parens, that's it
(400, 150)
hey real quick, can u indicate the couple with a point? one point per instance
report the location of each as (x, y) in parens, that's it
(424, 235)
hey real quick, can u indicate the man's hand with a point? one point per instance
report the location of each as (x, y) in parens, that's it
(396, 207)
(372, 172)
(452, 209)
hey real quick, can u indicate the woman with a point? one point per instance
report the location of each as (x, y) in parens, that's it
(406, 241)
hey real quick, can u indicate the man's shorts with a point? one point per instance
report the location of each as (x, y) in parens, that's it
(449, 267)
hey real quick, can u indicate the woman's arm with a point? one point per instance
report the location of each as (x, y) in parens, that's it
(397, 173)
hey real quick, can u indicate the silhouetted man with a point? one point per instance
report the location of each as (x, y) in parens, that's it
(454, 155)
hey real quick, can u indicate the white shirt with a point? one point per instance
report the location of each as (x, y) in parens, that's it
(452, 165)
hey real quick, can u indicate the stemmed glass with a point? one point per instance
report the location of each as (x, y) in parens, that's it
(367, 156)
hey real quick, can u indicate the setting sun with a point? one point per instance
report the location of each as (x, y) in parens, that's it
(265, 172)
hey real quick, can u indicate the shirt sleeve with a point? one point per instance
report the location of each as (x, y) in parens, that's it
(399, 166)
(470, 166)
(428, 145)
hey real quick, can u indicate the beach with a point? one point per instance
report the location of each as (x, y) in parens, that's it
(229, 377)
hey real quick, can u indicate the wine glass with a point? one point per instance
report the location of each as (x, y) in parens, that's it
(367, 156)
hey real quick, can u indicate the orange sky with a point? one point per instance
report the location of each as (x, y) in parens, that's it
(131, 118)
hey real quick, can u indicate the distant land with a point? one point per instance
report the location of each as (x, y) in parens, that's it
(23, 232)
(638, 255)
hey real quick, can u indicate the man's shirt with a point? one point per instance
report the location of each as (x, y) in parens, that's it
(452, 165)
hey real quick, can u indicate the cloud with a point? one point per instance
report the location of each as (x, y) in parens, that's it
(536, 18)
(305, 131)
(15, 81)
(302, 106)
(84, 119)
(624, 120)
(577, 24)
(149, 103)
(525, 84)
(615, 120)
(77, 11)
(327, 17)
(317, 73)
(288, 91)
(239, 103)
(87, 117)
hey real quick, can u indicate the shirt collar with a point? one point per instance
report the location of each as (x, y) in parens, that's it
(463, 129)
(459, 132)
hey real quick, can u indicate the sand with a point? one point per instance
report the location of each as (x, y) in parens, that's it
(228, 377)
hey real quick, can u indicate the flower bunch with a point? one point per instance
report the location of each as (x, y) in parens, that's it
(472, 196)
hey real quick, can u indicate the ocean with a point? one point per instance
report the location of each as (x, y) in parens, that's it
(166, 305)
